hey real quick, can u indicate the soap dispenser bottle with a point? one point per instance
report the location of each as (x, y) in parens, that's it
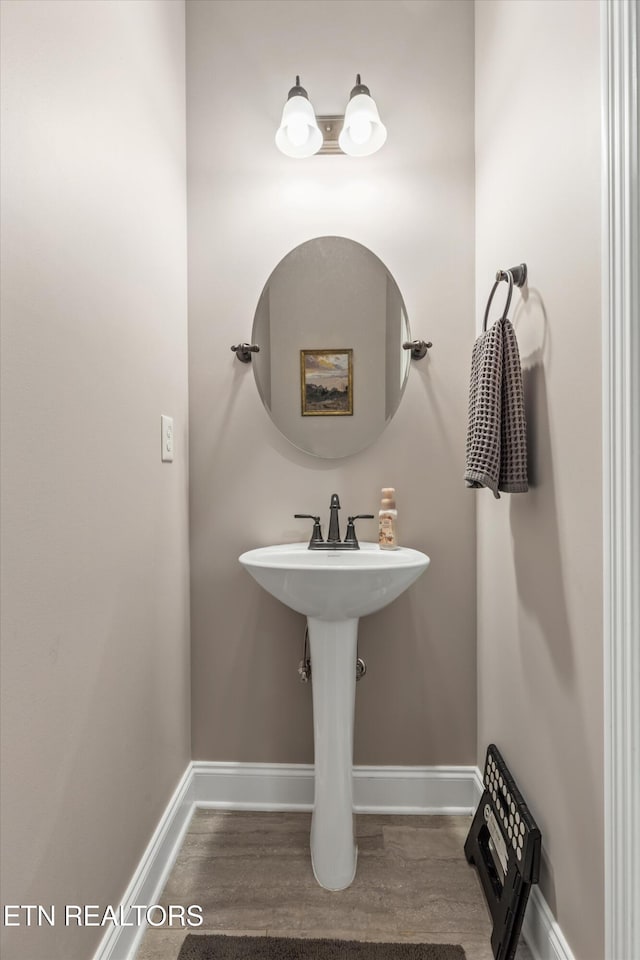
(387, 520)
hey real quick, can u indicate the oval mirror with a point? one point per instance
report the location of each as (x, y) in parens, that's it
(330, 324)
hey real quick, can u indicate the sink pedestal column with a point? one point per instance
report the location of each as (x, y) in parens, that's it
(333, 679)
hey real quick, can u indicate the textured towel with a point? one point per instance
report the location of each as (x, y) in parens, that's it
(496, 435)
(513, 433)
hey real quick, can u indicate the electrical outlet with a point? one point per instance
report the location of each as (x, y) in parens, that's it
(167, 438)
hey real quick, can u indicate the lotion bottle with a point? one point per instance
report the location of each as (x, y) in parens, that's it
(387, 520)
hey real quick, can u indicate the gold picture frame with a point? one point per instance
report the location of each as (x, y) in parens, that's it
(326, 383)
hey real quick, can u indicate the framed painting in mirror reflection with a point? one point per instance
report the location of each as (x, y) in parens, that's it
(326, 383)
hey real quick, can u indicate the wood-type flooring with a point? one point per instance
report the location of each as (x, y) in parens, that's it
(251, 874)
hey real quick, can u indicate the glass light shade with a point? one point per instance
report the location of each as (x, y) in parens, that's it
(363, 132)
(299, 134)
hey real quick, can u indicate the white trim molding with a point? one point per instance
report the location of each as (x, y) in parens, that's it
(289, 787)
(276, 786)
(621, 476)
(542, 932)
(120, 942)
(252, 786)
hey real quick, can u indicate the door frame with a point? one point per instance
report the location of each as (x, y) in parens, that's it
(620, 21)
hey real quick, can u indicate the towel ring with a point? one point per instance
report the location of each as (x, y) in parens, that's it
(517, 275)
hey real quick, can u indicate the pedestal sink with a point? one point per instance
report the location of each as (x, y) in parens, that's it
(333, 589)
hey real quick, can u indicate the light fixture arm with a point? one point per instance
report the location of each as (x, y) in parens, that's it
(297, 90)
(359, 88)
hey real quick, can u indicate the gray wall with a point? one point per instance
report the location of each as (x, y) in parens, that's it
(412, 205)
(540, 554)
(95, 616)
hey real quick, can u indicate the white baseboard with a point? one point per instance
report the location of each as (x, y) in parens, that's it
(121, 942)
(541, 931)
(275, 786)
(289, 787)
(253, 786)
(415, 790)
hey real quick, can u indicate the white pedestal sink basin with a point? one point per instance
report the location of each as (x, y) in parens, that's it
(333, 589)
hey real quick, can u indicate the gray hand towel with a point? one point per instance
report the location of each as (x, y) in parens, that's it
(485, 411)
(496, 434)
(513, 436)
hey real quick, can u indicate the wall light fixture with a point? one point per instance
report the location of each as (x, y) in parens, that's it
(298, 134)
(359, 133)
(363, 132)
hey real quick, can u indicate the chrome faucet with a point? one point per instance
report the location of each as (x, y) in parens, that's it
(333, 541)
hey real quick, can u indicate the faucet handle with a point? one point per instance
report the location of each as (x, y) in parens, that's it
(350, 535)
(316, 536)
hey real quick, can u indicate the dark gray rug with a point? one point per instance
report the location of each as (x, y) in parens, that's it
(219, 947)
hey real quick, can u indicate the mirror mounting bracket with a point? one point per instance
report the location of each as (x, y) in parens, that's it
(243, 351)
(418, 348)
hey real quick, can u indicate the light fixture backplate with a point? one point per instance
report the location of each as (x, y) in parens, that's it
(330, 128)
